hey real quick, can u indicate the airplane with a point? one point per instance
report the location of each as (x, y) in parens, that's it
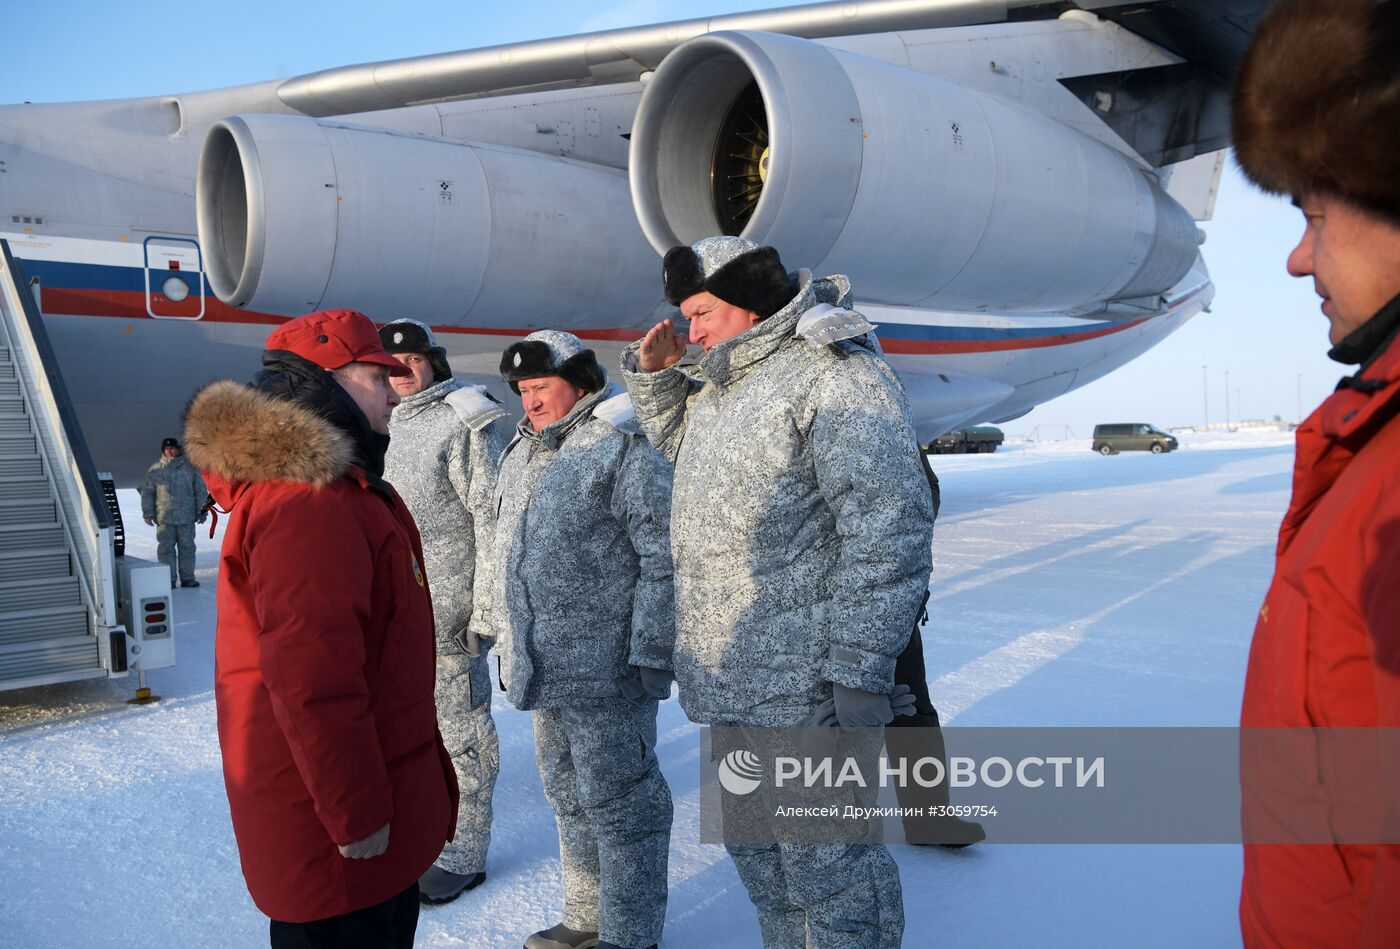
(1012, 186)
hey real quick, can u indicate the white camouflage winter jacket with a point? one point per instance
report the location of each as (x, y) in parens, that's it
(174, 492)
(801, 522)
(582, 587)
(444, 445)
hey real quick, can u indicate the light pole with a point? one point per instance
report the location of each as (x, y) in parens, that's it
(1227, 400)
(1205, 398)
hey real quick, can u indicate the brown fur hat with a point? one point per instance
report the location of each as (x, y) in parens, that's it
(1317, 102)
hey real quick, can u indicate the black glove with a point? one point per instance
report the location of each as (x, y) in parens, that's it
(645, 682)
(856, 708)
(471, 642)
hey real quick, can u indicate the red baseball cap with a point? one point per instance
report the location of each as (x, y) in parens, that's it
(335, 338)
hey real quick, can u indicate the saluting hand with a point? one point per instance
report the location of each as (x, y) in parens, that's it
(661, 348)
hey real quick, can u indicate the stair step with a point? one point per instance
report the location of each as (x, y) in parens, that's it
(7, 371)
(21, 467)
(11, 405)
(16, 424)
(35, 564)
(21, 537)
(21, 489)
(39, 593)
(9, 388)
(76, 657)
(27, 511)
(52, 622)
(19, 443)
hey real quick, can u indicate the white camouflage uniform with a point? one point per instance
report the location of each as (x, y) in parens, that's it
(801, 530)
(172, 496)
(582, 592)
(443, 450)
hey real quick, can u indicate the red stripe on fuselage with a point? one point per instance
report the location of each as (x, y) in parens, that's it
(944, 347)
(131, 305)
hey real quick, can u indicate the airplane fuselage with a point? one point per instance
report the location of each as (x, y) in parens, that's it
(98, 203)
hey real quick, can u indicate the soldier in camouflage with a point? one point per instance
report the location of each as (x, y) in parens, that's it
(444, 446)
(582, 610)
(801, 538)
(173, 500)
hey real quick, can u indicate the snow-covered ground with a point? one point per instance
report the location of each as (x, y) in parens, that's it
(1069, 589)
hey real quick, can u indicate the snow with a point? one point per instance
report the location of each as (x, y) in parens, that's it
(1069, 589)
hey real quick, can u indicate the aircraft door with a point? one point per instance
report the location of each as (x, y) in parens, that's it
(174, 278)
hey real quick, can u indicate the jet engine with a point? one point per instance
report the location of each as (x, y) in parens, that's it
(297, 214)
(935, 194)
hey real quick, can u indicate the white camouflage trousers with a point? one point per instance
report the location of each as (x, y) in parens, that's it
(464, 718)
(173, 538)
(820, 895)
(600, 774)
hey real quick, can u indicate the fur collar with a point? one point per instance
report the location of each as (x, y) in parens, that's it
(244, 435)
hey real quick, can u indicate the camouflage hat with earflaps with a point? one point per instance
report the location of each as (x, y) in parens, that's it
(738, 271)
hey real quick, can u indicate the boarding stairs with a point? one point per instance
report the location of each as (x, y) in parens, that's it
(58, 580)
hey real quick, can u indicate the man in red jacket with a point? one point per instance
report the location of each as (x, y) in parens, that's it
(1317, 117)
(339, 787)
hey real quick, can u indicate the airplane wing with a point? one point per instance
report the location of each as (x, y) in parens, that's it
(1167, 114)
(609, 56)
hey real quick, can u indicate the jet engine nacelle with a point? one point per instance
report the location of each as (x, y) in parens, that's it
(934, 194)
(297, 214)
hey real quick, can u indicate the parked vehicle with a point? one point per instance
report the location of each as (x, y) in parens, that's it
(974, 440)
(1132, 436)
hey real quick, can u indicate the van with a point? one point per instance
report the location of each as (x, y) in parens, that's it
(1132, 436)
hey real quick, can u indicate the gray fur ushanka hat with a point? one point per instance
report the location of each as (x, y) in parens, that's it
(552, 353)
(738, 271)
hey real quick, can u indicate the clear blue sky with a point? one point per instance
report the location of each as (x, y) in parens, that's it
(1265, 329)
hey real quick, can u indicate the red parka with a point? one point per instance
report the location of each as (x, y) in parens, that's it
(324, 661)
(1326, 653)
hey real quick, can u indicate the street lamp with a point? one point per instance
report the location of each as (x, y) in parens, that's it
(1205, 399)
(1227, 400)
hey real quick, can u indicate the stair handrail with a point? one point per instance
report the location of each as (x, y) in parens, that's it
(61, 441)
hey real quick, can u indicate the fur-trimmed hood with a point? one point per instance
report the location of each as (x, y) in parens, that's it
(243, 435)
(1317, 103)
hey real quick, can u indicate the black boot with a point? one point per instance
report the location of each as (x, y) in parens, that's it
(562, 937)
(951, 832)
(437, 885)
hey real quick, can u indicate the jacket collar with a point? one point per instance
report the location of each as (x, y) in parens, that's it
(553, 434)
(1368, 398)
(240, 436)
(416, 403)
(1369, 340)
(728, 362)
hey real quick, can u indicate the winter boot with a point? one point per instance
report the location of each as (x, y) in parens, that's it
(562, 937)
(951, 832)
(189, 583)
(439, 886)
